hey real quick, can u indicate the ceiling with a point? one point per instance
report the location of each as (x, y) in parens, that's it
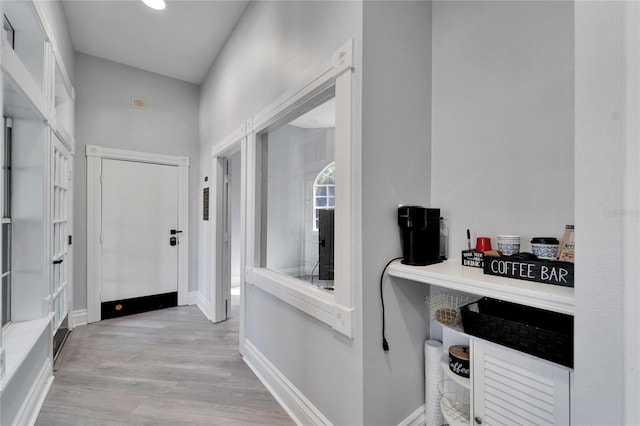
(180, 41)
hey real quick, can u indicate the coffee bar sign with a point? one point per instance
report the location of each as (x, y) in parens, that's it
(548, 272)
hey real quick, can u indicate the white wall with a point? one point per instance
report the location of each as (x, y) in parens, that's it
(396, 169)
(104, 117)
(273, 46)
(601, 212)
(502, 140)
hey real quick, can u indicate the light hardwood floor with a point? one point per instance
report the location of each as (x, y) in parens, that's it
(167, 367)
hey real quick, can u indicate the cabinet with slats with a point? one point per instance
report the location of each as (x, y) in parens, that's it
(513, 388)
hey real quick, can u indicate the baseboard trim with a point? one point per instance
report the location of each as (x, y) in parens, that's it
(192, 298)
(35, 398)
(137, 305)
(204, 306)
(78, 317)
(301, 410)
(417, 418)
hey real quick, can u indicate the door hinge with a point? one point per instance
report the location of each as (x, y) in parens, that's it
(69, 239)
(100, 179)
(100, 238)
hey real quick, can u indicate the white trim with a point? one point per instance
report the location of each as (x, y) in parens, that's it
(220, 274)
(95, 155)
(30, 409)
(78, 317)
(309, 299)
(193, 298)
(183, 224)
(297, 406)
(141, 157)
(204, 305)
(336, 310)
(230, 144)
(218, 284)
(417, 418)
(317, 82)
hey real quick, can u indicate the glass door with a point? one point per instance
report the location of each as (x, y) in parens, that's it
(60, 199)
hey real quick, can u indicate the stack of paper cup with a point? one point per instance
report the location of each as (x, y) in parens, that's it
(509, 244)
(432, 376)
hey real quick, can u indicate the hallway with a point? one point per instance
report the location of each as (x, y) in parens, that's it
(165, 367)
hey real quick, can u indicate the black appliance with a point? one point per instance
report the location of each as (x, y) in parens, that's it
(325, 239)
(419, 235)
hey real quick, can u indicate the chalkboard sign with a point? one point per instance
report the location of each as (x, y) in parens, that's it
(542, 271)
(472, 258)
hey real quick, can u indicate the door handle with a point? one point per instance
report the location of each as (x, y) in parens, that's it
(57, 262)
(174, 232)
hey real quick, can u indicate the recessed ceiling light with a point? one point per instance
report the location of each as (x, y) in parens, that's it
(155, 4)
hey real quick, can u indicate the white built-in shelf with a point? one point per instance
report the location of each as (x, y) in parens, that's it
(18, 339)
(462, 381)
(451, 274)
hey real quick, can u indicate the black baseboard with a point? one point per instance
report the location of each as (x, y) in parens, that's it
(137, 305)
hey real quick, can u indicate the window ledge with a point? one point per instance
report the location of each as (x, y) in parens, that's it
(18, 339)
(311, 300)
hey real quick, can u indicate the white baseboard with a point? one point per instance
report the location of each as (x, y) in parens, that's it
(204, 306)
(35, 398)
(417, 418)
(301, 410)
(192, 299)
(78, 317)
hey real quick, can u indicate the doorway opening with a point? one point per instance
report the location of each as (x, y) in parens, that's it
(137, 232)
(233, 214)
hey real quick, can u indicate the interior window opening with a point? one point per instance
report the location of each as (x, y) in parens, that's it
(298, 195)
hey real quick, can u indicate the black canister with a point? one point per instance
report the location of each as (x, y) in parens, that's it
(419, 235)
(459, 360)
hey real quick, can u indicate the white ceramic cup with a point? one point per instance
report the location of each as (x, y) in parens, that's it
(509, 244)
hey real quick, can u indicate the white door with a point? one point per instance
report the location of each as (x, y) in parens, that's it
(139, 210)
(60, 200)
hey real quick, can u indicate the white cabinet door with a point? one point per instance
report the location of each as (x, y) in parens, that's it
(513, 388)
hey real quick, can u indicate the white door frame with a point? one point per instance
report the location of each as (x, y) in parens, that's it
(95, 155)
(220, 289)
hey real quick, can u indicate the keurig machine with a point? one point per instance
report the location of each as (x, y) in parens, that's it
(419, 235)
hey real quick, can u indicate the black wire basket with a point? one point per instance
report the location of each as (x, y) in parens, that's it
(545, 334)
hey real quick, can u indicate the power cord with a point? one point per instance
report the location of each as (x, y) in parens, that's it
(385, 344)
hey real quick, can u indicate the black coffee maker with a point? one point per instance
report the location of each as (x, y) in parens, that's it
(419, 235)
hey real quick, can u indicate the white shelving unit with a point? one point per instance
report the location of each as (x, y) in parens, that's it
(494, 367)
(465, 382)
(452, 275)
(539, 389)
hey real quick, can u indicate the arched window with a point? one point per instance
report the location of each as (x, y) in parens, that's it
(324, 192)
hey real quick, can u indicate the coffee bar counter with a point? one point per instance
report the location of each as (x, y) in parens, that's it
(452, 275)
